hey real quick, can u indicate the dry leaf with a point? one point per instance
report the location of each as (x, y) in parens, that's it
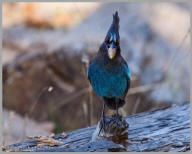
(12, 150)
(46, 140)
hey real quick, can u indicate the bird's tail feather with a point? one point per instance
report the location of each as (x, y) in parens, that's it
(111, 102)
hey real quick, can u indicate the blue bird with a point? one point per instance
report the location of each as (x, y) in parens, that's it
(108, 72)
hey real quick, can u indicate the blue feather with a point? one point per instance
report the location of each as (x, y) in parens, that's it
(127, 71)
(108, 83)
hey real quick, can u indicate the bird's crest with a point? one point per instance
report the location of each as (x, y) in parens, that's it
(115, 20)
(113, 31)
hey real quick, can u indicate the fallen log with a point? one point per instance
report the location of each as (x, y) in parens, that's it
(166, 129)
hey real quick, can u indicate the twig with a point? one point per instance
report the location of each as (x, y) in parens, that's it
(167, 67)
(49, 89)
(136, 105)
(91, 104)
(71, 97)
(34, 105)
(132, 91)
(143, 88)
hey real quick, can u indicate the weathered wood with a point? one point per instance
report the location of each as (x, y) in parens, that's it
(158, 130)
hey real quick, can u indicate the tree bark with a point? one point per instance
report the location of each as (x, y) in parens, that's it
(164, 130)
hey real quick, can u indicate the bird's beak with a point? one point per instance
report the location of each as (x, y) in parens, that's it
(111, 51)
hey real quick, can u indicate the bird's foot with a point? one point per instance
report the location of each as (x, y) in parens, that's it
(117, 117)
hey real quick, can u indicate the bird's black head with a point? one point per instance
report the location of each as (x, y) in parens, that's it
(112, 39)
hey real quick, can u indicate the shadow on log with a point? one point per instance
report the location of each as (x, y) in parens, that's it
(159, 130)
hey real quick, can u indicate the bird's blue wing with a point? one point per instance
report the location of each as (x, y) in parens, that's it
(88, 74)
(94, 74)
(127, 71)
(128, 78)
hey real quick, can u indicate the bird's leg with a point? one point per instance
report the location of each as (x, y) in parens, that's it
(117, 107)
(103, 118)
(103, 115)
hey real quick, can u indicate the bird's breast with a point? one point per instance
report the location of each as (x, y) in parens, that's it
(108, 82)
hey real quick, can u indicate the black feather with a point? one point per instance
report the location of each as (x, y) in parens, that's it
(114, 28)
(110, 78)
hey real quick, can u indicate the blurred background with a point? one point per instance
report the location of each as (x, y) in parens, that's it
(47, 47)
